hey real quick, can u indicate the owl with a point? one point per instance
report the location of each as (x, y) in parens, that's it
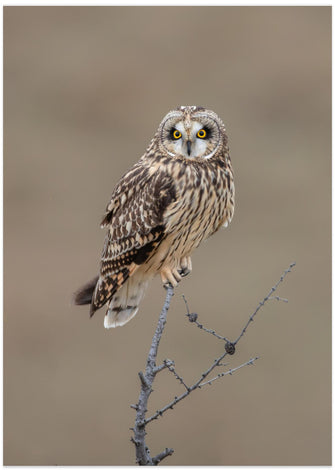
(179, 193)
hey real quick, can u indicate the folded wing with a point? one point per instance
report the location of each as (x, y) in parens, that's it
(135, 222)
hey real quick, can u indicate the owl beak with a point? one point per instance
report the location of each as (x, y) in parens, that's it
(188, 144)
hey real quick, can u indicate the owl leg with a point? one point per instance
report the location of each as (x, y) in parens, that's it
(170, 276)
(185, 266)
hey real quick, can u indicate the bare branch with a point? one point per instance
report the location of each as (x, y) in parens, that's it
(162, 455)
(163, 366)
(229, 349)
(230, 344)
(142, 451)
(144, 382)
(177, 399)
(266, 298)
(170, 366)
(193, 319)
(278, 298)
(229, 372)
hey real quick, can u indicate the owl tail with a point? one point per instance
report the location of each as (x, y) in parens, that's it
(84, 295)
(124, 304)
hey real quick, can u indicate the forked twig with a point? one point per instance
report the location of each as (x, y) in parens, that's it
(143, 456)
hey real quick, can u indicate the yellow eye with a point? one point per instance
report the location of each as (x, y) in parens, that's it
(176, 134)
(201, 134)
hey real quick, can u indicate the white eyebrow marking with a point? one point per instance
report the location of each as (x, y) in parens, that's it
(192, 108)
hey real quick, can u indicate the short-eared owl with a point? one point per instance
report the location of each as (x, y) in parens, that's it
(179, 193)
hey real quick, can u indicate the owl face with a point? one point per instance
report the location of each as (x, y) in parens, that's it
(191, 132)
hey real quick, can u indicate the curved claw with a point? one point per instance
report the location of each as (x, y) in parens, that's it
(185, 266)
(172, 276)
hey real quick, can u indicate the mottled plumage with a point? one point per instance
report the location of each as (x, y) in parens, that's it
(179, 193)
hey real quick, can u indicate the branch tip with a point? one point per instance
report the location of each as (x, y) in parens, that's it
(159, 457)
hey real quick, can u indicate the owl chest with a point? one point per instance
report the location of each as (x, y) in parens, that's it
(200, 208)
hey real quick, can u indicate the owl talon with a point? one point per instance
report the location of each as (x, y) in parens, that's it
(167, 285)
(170, 277)
(183, 272)
(185, 266)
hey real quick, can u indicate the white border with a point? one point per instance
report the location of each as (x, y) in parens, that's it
(150, 3)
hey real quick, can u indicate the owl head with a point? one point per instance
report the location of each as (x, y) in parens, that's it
(191, 132)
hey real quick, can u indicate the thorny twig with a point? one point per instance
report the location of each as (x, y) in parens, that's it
(142, 451)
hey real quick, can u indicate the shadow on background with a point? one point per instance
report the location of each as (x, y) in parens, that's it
(84, 91)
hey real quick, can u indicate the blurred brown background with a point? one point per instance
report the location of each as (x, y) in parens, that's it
(84, 91)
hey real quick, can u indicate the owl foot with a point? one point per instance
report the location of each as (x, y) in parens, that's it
(185, 266)
(170, 277)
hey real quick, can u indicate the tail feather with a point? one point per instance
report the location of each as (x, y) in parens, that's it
(84, 295)
(124, 304)
(114, 319)
(108, 285)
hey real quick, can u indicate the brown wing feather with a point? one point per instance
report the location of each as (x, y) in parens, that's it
(135, 221)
